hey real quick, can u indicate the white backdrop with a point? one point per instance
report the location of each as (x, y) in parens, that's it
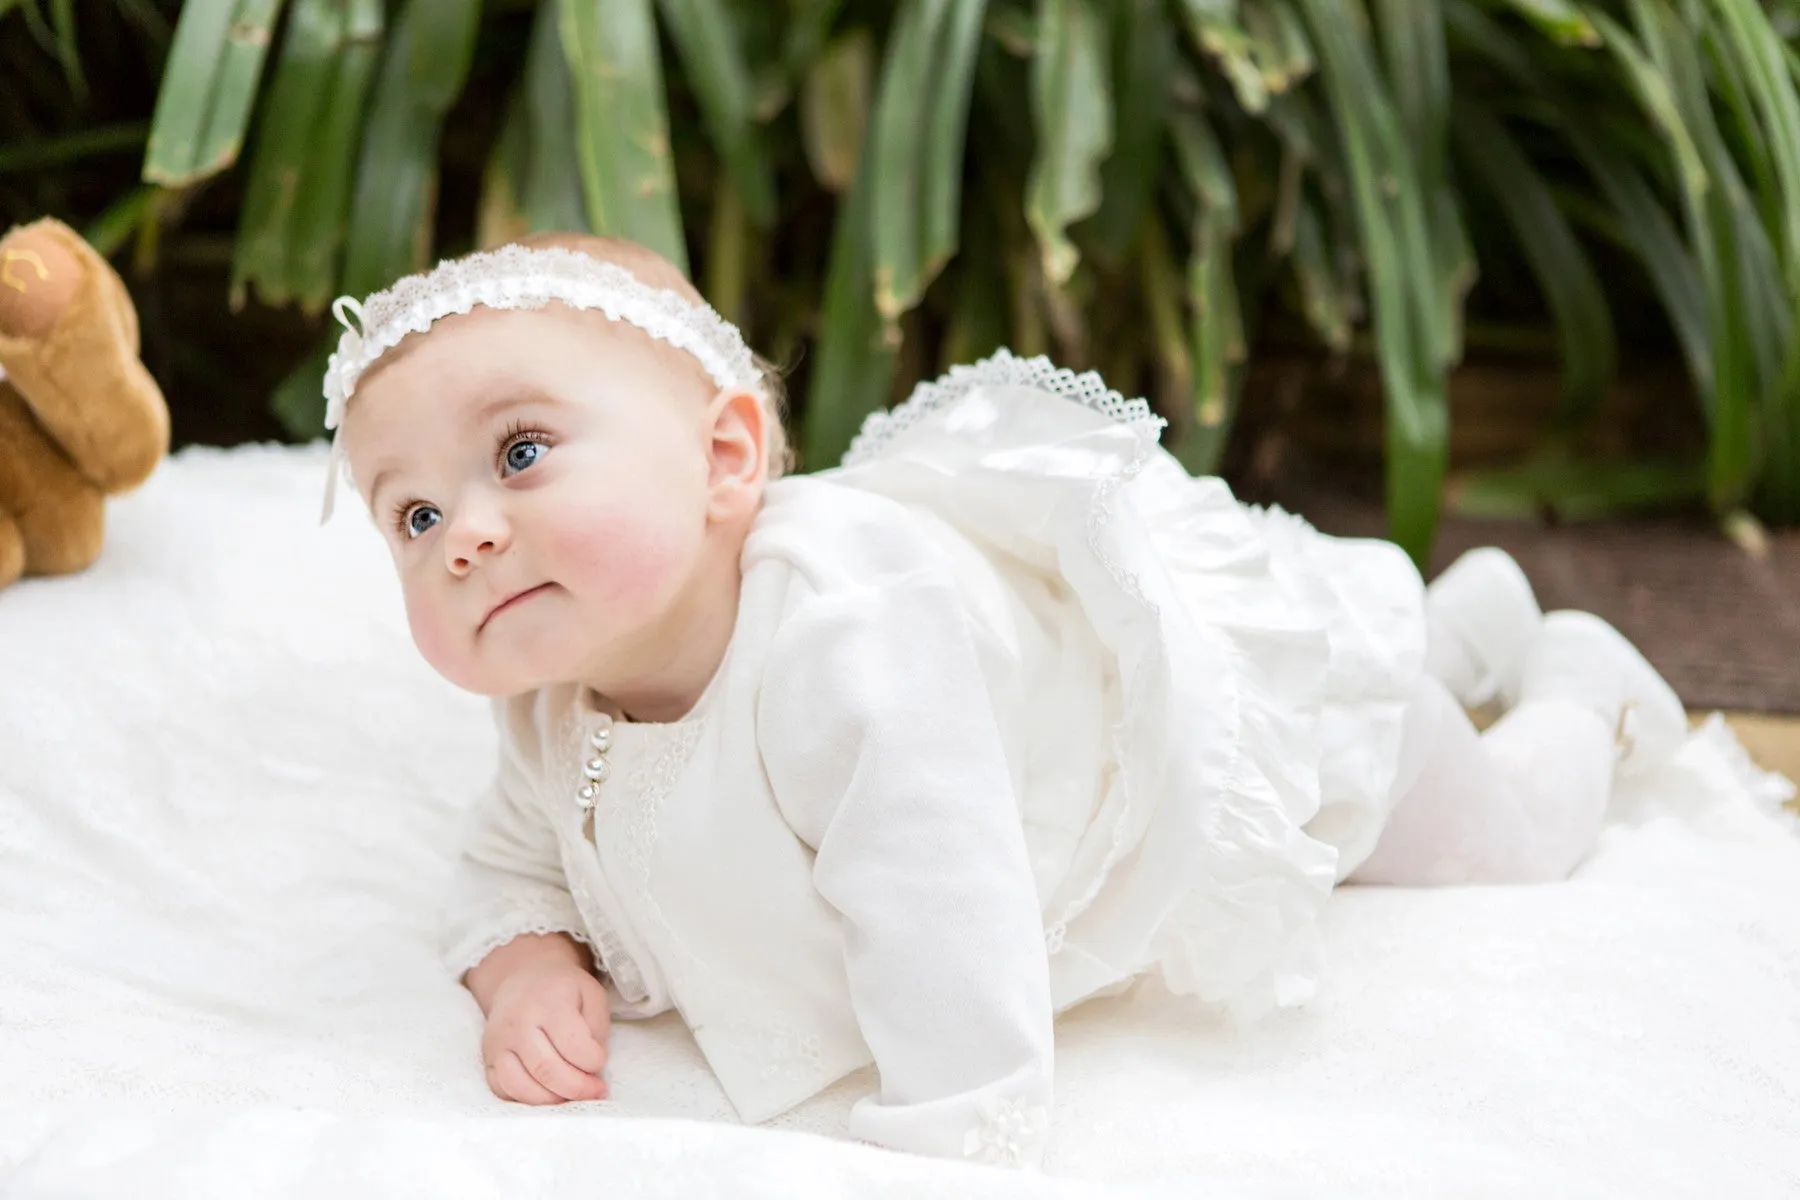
(229, 798)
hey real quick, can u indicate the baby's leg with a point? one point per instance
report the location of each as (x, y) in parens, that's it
(1521, 803)
(1481, 618)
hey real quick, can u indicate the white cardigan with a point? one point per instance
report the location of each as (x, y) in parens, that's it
(1010, 716)
(823, 865)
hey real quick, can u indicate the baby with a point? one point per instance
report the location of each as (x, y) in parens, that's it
(893, 763)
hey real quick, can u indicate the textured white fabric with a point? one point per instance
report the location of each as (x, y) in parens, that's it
(220, 892)
(516, 277)
(1002, 369)
(1054, 721)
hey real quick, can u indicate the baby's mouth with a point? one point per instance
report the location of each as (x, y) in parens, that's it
(515, 599)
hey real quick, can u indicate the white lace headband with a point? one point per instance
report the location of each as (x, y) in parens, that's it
(522, 277)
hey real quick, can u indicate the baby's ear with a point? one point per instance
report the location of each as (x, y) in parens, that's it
(737, 452)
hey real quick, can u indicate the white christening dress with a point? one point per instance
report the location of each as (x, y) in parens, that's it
(1015, 711)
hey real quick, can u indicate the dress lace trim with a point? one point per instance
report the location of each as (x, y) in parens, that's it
(513, 914)
(1001, 369)
(521, 277)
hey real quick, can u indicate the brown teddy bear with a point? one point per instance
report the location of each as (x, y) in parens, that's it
(80, 417)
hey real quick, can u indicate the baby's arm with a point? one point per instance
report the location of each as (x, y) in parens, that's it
(515, 932)
(880, 742)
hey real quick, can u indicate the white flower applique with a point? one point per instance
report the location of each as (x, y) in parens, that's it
(1010, 1134)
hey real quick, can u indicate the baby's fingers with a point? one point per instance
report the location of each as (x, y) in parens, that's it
(555, 1072)
(575, 1041)
(508, 1079)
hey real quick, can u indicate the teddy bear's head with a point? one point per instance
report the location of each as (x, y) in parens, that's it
(80, 417)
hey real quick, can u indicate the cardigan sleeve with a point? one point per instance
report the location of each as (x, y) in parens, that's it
(509, 879)
(885, 757)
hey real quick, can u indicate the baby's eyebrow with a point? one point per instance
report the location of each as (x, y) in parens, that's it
(508, 402)
(381, 478)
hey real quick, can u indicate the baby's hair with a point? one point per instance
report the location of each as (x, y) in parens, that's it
(654, 270)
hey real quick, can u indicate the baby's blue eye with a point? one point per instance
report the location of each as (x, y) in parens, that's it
(523, 453)
(420, 518)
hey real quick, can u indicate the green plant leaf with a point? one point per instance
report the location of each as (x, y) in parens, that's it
(421, 75)
(1071, 101)
(1217, 338)
(1144, 50)
(855, 364)
(1397, 247)
(550, 189)
(1560, 20)
(298, 401)
(1634, 205)
(834, 108)
(705, 35)
(1575, 490)
(1492, 156)
(281, 166)
(208, 87)
(1218, 31)
(628, 176)
(500, 214)
(321, 218)
(920, 128)
(113, 229)
(1326, 297)
(68, 51)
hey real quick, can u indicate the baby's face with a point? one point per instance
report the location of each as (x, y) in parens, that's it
(542, 480)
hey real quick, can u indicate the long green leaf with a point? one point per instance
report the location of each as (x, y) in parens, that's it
(1218, 31)
(550, 194)
(1576, 490)
(422, 73)
(1492, 156)
(1750, 38)
(1746, 313)
(68, 51)
(1144, 51)
(1643, 222)
(282, 162)
(892, 162)
(1218, 337)
(500, 214)
(1561, 20)
(977, 325)
(298, 401)
(1073, 109)
(834, 108)
(920, 127)
(1418, 74)
(1397, 246)
(706, 37)
(627, 172)
(208, 86)
(76, 144)
(1325, 295)
(855, 365)
(321, 218)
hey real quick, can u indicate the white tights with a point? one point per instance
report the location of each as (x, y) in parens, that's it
(1521, 803)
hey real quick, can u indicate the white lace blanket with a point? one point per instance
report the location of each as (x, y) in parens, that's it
(228, 802)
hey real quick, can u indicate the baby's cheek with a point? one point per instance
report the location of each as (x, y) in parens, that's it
(628, 560)
(437, 641)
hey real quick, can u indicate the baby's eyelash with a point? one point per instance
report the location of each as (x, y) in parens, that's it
(401, 511)
(517, 431)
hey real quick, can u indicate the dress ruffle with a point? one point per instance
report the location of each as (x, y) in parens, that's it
(1224, 637)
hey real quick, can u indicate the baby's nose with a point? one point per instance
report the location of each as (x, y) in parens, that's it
(471, 542)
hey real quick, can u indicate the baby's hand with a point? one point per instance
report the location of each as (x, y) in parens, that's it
(545, 1041)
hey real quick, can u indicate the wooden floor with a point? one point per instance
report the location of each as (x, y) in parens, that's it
(1721, 624)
